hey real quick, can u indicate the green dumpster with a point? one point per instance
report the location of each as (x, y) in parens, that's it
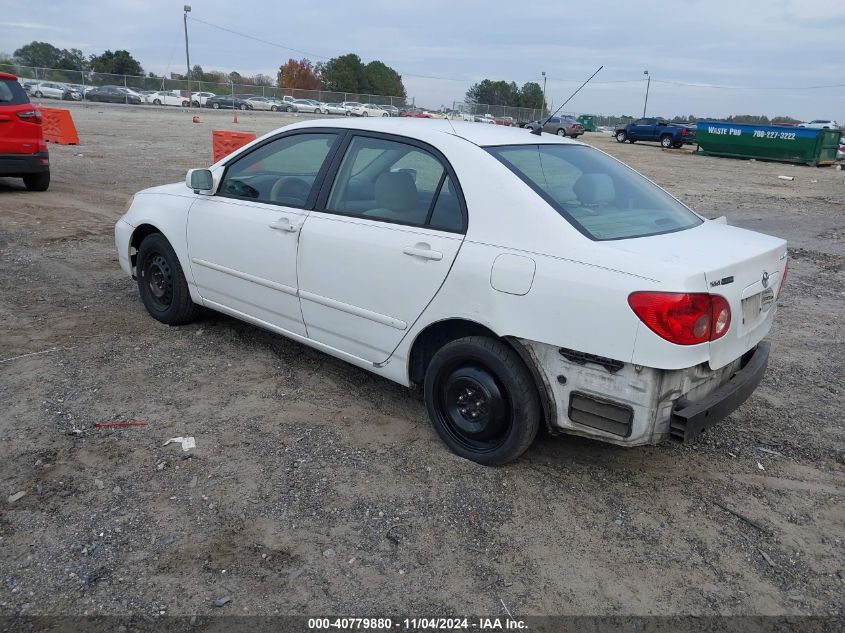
(588, 121)
(767, 142)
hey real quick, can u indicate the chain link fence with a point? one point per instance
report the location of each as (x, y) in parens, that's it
(472, 110)
(86, 79)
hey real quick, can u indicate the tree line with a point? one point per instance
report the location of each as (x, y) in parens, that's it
(346, 73)
(502, 93)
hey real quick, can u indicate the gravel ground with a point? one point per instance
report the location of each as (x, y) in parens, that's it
(319, 488)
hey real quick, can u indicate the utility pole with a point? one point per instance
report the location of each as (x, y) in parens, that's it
(647, 86)
(543, 108)
(187, 54)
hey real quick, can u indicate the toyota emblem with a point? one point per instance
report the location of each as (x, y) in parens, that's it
(765, 280)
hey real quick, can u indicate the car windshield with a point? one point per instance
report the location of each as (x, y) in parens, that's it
(598, 195)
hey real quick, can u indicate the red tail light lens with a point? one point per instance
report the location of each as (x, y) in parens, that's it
(30, 116)
(683, 131)
(683, 318)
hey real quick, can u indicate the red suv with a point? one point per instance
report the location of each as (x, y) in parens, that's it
(23, 152)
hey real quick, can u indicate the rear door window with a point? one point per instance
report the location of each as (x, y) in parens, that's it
(12, 93)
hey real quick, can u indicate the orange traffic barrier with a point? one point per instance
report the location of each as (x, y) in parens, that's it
(58, 126)
(224, 142)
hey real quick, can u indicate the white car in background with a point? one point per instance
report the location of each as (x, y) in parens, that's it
(335, 108)
(368, 109)
(821, 124)
(165, 97)
(198, 99)
(348, 105)
(55, 90)
(604, 307)
(309, 105)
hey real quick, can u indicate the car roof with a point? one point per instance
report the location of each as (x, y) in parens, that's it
(430, 130)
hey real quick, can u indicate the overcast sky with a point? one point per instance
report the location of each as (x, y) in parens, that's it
(744, 57)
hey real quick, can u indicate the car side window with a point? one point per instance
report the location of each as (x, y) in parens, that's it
(389, 180)
(283, 171)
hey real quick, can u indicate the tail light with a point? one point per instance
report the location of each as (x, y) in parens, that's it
(683, 131)
(683, 318)
(783, 280)
(31, 116)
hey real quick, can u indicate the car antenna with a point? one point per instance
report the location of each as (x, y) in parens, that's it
(539, 129)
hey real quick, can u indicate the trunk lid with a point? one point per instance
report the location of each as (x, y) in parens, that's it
(744, 267)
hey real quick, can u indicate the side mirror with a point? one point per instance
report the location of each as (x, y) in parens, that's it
(200, 180)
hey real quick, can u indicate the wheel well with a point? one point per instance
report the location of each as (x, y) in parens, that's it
(141, 232)
(436, 335)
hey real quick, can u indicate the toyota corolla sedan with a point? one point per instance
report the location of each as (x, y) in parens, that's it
(522, 280)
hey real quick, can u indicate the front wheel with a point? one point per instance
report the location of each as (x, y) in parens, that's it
(162, 284)
(666, 141)
(243, 106)
(215, 106)
(37, 182)
(184, 104)
(38, 94)
(156, 101)
(348, 113)
(274, 109)
(366, 113)
(621, 137)
(482, 400)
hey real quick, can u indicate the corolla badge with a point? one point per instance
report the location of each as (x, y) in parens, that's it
(765, 280)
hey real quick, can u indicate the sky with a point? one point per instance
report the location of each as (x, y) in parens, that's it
(740, 57)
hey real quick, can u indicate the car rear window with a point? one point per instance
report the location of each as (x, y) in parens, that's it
(12, 93)
(598, 195)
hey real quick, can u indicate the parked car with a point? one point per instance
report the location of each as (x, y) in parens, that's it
(267, 103)
(335, 108)
(23, 152)
(113, 94)
(656, 129)
(605, 308)
(840, 153)
(166, 97)
(228, 101)
(368, 109)
(504, 120)
(821, 124)
(414, 113)
(391, 110)
(55, 90)
(560, 125)
(198, 99)
(308, 105)
(484, 118)
(348, 105)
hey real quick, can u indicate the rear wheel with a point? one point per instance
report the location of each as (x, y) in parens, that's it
(38, 94)
(156, 101)
(482, 400)
(621, 137)
(366, 113)
(162, 284)
(184, 104)
(215, 106)
(561, 132)
(243, 106)
(37, 182)
(273, 109)
(666, 141)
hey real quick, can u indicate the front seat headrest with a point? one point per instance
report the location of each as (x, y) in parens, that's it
(592, 189)
(395, 190)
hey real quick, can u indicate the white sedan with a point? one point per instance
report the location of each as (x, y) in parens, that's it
(523, 280)
(309, 105)
(163, 97)
(198, 99)
(367, 109)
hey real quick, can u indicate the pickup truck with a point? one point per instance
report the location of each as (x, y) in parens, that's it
(659, 130)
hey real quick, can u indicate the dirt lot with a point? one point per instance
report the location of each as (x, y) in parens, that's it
(318, 488)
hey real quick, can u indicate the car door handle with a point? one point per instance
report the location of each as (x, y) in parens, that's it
(285, 225)
(424, 253)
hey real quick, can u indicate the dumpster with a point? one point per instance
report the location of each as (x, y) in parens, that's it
(767, 142)
(588, 121)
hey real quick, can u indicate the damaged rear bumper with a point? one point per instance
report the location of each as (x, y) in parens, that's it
(689, 419)
(631, 405)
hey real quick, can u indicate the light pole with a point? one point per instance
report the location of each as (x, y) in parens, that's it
(187, 54)
(543, 109)
(647, 86)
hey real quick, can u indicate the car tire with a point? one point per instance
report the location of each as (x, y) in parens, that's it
(484, 377)
(561, 132)
(666, 141)
(215, 106)
(37, 182)
(621, 136)
(162, 284)
(156, 101)
(243, 106)
(366, 113)
(38, 94)
(195, 104)
(185, 104)
(348, 113)
(274, 109)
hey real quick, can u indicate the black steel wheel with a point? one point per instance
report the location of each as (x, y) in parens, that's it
(162, 283)
(482, 400)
